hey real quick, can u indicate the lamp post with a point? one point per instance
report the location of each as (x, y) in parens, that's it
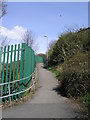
(47, 49)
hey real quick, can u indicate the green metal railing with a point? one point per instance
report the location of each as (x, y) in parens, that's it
(39, 59)
(18, 65)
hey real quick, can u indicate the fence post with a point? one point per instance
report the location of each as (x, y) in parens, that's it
(2, 87)
(17, 69)
(10, 71)
(21, 86)
(6, 78)
(33, 82)
(35, 72)
(0, 67)
(24, 69)
(9, 92)
(14, 67)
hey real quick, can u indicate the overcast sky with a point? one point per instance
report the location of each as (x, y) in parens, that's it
(49, 19)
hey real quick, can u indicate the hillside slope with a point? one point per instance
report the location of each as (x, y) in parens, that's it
(69, 58)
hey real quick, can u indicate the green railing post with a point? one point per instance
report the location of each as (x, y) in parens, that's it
(10, 71)
(0, 67)
(2, 87)
(7, 70)
(14, 62)
(17, 74)
(21, 87)
(0, 62)
(17, 68)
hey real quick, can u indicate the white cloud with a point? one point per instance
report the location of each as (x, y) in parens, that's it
(14, 34)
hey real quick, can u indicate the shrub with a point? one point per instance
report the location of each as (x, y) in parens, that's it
(75, 79)
(68, 45)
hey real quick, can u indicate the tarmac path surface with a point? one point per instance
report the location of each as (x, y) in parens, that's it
(46, 102)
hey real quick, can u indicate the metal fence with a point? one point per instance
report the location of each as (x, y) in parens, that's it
(17, 63)
(39, 59)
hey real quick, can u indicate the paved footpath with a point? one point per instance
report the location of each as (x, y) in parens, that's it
(46, 102)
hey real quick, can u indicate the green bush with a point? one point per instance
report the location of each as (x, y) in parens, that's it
(70, 55)
(68, 45)
(75, 79)
(55, 71)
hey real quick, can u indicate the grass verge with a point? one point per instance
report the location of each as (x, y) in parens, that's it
(82, 100)
(55, 71)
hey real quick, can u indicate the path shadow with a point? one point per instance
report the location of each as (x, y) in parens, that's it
(39, 87)
(44, 67)
(59, 91)
(80, 113)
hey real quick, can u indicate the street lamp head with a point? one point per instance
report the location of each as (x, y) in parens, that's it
(47, 49)
(45, 36)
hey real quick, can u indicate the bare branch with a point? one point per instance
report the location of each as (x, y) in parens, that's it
(29, 39)
(3, 11)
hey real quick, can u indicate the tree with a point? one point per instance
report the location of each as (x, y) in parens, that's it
(29, 39)
(4, 41)
(51, 47)
(51, 44)
(3, 11)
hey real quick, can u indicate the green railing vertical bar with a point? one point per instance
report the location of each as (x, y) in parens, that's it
(14, 62)
(35, 58)
(21, 69)
(2, 87)
(30, 64)
(33, 66)
(32, 61)
(0, 66)
(6, 78)
(10, 71)
(0, 62)
(17, 74)
(22, 64)
(25, 63)
(39, 59)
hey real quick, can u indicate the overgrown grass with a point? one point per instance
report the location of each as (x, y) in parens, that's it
(73, 85)
(81, 98)
(55, 71)
(85, 98)
(68, 60)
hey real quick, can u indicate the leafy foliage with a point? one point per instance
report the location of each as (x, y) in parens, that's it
(75, 80)
(68, 45)
(3, 11)
(70, 57)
